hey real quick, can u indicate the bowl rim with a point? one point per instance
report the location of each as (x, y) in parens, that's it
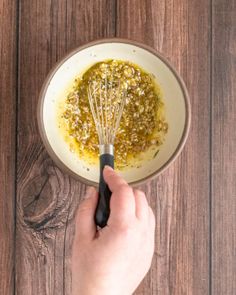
(54, 69)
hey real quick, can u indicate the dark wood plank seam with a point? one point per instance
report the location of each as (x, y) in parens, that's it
(115, 16)
(66, 36)
(16, 133)
(210, 147)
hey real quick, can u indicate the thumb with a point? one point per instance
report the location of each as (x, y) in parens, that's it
(85, 225)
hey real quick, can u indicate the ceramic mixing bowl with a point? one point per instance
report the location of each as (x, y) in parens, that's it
(60, 79)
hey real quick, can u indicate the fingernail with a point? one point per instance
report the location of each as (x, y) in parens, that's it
(89, 192)
(108, 168)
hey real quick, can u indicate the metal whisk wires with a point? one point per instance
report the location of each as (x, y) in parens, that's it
(107, 100)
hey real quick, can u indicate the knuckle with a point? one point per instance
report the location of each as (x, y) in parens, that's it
(126, 230)
(140, 193)
(125, 189)
(83, 207)
(152, 216)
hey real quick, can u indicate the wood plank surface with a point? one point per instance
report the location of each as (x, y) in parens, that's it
(8, 53)
(194, 200)
(180, 197)
(46, 197)
(223, 147)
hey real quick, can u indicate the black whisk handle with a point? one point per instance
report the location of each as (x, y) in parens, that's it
(103, 207)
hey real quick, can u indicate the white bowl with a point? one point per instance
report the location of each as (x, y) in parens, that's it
(60, 79)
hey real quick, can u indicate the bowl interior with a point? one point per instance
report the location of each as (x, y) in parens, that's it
(62, 79)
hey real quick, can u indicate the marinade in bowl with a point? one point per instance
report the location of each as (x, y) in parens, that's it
(143, 124)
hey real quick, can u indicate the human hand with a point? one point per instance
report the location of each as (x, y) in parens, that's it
(113, 260)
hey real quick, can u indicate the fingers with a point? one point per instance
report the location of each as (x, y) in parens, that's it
(122, 203)
(142, 208)
(113, 180)
(152, 225)
(126, 203)
(152, 220)
(85, 225)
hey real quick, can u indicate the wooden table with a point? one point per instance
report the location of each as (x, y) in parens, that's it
(194, 200)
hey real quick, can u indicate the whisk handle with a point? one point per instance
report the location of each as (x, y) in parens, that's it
(103, 208)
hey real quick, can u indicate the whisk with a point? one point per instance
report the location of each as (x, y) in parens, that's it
(107, 100)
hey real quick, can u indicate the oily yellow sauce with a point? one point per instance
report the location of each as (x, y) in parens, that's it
(142, 126)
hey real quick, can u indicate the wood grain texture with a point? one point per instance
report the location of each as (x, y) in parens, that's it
(46, 197)
(194, 200)
(8, 54)
(180, 197)
(223, 147)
